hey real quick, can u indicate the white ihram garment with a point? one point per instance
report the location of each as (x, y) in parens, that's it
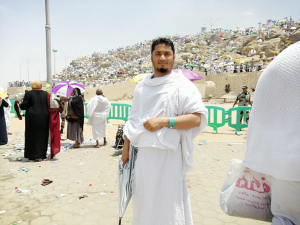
(273, 141)
(98, 110)
(160, 193)
(7, 115)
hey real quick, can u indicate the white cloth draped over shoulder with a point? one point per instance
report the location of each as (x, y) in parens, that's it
(168, 96)
(160, 192)
(7, 113)
(273, 141)
(98, 109)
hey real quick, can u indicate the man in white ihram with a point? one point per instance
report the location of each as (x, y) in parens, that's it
(273, 141)
(7, 114)
(167, 113)
(98, 110)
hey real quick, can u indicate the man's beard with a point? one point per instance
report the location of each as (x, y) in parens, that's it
(162, 70)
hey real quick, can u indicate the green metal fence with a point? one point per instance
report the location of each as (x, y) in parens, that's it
(233, 118)
(117, 111)
(121, 112)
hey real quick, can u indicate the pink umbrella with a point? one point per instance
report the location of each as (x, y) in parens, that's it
(191, 75)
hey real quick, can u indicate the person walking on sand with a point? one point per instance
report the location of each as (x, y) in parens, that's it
(167, 113)
(98, 110)
(244, 99)
(75, 118)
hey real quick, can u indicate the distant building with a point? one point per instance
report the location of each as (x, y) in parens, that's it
(203, 29)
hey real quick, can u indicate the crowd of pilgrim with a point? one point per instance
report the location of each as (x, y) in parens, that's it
(123, 63)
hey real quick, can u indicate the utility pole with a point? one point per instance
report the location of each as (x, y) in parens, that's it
(20, 67)
(20, 71)
(54, 50)
(211, 22)
(48, 44)
(27, 68)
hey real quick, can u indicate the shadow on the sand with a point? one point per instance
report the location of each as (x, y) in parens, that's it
(117, 153)
(26, 160)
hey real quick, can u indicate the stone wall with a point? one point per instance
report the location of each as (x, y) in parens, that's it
(113, 91)
(236, 81)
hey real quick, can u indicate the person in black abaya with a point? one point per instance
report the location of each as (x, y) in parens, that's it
(35, 103)
(75, 118)
(3, 132)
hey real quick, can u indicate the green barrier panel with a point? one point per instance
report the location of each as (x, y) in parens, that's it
(213, 114)
(238, 126)
(12, 108)
(85, 110)
(119, 112)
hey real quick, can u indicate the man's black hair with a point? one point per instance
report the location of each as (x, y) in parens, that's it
(165, 41)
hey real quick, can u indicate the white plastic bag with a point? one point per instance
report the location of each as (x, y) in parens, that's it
(246, 193)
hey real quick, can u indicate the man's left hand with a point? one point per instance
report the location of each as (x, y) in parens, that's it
(155, 124)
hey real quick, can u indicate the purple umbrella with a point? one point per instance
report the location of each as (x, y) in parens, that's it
(191, 75)
(65, 88)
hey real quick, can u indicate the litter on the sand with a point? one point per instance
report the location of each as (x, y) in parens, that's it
(21, 196)
(61, 195)
(235, 151)
(3, 211)
(23, 191)
(216, 159)
(102, 193)
(79, 182)
(46, 182)
(81, 164)
(83, 196)
(23, 169)
(202, 142)
(10, 171)
(230, 144)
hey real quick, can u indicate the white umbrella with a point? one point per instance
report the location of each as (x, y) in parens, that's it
(125, 189)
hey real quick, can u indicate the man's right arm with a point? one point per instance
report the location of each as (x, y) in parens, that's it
(235, 103)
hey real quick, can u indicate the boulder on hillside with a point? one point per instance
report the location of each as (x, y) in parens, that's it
(186, 56)
(178, 61)
(106, 64)
(275, 32)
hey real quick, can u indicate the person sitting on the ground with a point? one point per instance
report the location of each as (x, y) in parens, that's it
(119, 138)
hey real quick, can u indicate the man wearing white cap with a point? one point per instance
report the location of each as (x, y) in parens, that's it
(273, 141)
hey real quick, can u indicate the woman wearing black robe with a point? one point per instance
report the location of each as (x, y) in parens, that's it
(35, 103)
(75, 110)
(3, 132)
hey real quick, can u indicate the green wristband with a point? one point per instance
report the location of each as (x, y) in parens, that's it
(171, 122)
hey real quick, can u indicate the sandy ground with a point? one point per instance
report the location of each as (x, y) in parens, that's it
(93, 172)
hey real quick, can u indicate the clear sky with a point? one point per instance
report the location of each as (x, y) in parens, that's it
(80, 27)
